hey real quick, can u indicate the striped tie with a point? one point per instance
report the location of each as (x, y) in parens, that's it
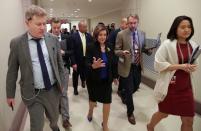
(136, 50)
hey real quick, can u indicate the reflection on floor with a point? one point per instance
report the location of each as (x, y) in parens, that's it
(144, 108)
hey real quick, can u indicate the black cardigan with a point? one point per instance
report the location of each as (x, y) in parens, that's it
(94, 50)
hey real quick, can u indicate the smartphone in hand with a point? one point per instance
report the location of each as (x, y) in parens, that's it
(11, 105)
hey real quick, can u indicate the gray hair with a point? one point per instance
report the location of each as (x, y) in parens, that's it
(135, 16)
(34, 10)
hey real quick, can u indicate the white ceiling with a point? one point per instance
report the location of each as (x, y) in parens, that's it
(66, 8)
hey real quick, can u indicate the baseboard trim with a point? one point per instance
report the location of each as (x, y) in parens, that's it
(151, 83)
(19, 119)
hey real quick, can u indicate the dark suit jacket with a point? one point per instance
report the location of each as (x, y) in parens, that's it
(67, 47)
(112, 38)
(64, 36)
(112, 41)
(93, 75)
(20, 58)
(77, 56)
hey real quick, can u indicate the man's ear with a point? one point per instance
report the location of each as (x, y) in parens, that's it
(27, 22)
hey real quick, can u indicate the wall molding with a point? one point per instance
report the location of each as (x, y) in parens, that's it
(151, 83)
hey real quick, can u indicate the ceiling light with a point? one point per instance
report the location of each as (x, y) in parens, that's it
(51, 10)
(51, 0)
(75, 11)
(90, 0)
(78, 9)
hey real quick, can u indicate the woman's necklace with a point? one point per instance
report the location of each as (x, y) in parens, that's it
(181, 53)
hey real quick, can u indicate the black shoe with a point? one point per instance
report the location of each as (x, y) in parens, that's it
(131, 119)
(83, 84)
(89, 118)
(75, 92)
(66, 124)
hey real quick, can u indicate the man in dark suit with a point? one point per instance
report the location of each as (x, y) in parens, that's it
(79, 40)
(64, 103)
(74, 30)
(38, 56)
(64, 32)
(112, 40)
(130, 44)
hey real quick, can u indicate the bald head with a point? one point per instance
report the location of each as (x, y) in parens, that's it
(123, 24)
(82, 25)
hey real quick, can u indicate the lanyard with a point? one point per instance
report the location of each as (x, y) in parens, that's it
(182, 56)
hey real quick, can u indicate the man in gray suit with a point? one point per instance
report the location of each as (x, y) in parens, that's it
(130, 44)
(38, 56)
(66, 52)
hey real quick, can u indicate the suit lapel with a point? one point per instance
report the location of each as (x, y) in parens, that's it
(87, 39)
(80, 42)
(50, 47)
(107, 50)
(128, 35)
(140, 39)
(25, 49)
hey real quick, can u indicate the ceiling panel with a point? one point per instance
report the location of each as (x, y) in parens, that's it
(68, 8)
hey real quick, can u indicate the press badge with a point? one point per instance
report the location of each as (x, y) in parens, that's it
(121, 59)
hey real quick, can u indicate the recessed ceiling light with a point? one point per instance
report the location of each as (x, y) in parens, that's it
(78, 9)
(75, 11)
(51, 0)
(90, 0)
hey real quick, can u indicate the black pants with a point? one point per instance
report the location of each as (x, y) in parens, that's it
(81, 71)
(130, 85)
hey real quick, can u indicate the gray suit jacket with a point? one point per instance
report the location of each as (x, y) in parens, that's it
(123, 42)
(20, 58)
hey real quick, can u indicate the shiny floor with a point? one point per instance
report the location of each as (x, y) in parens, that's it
(145, 106)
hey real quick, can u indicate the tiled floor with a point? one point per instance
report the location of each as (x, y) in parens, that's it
(144, 108)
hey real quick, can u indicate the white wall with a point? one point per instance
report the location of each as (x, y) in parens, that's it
(12, 24)
(114, 16)
(158, 15)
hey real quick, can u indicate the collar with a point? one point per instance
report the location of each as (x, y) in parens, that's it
(81, 34)
(31, 37)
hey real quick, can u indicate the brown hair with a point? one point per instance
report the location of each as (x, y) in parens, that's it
(133, 16)
(34, 10)
(97, 30)
(55, 20)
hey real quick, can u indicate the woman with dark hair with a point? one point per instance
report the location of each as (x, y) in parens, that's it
(99, 61)
(173, 89)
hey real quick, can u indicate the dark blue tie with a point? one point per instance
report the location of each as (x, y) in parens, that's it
(43, 66)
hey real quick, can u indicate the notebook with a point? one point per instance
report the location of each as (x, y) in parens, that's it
(157, 42)
(195, 54)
